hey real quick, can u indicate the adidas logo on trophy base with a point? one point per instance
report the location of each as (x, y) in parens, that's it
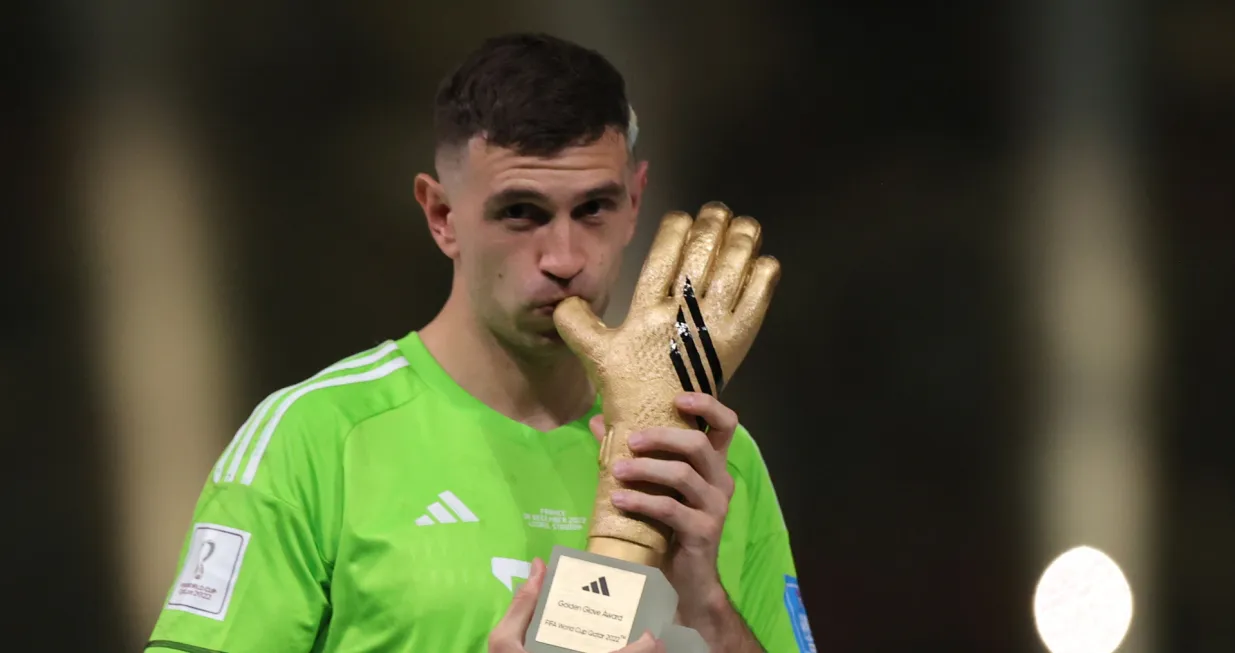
(619, 602)
(441, 514)
(598, 586)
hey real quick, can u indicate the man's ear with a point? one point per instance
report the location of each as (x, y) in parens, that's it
(638, 182)
(432, 198)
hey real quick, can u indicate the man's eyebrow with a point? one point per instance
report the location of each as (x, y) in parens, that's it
(608, 190)
(514, 196)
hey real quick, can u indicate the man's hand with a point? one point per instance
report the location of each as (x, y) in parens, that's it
(700, 478)
(508, 635)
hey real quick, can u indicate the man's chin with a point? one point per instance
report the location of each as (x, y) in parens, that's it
(542, 332)
(544, 345)
(553, 338)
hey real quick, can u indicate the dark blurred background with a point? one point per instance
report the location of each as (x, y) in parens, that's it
(1004, 329)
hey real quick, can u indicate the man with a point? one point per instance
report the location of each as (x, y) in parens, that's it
(392, 501)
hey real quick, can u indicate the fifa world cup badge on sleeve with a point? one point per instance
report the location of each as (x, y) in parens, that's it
(797, 616)
(208, 576)
(699, 303)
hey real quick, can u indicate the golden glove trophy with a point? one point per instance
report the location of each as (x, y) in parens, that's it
(699, 303)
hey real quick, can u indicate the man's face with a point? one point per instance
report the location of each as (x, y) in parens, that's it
(531, 231)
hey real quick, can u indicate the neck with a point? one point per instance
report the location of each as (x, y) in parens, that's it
(542, 389)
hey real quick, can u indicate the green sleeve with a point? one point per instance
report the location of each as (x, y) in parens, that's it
(250, 579)
(768, 599)
(254, 570)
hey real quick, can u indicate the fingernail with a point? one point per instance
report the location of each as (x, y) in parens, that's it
(687, 401)
(620, 499)
(621, 467)
(636, 440)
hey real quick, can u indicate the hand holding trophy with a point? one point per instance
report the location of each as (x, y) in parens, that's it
(699, 303)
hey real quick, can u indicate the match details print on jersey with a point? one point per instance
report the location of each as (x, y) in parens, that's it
(555, 520)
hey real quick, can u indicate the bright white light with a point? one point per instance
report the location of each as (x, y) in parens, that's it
(1083, 603)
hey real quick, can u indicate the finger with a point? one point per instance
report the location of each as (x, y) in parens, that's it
(694, 447)
(700, 250)
(675, 474)
(645, 644)
(753, 304)
(740, 246)
(687, 523)
(661, 266)
(579, 327)
(513, 625)
(597, 426)
(721, 418)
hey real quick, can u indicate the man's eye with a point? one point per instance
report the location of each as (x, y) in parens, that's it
(517, 211)
(523, 216)
(594, 208)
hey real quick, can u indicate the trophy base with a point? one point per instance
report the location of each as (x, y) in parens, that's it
(591, 603)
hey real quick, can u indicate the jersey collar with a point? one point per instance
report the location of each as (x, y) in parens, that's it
(427, 367)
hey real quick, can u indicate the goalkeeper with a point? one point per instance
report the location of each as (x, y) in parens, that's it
(396, 500)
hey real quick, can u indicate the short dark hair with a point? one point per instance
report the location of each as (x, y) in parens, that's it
(533, 93)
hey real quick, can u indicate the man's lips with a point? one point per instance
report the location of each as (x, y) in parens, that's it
(547, 307)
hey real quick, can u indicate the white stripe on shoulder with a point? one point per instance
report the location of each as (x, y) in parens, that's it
(254, 417)
(240, 449)
(362, 359)
(252, 426)
(383, 370)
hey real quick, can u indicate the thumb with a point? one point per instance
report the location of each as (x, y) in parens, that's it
(579, 327)
(514, 623)
(597, 425)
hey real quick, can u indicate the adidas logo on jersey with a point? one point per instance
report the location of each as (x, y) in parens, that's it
(598, 586)
(442, 514)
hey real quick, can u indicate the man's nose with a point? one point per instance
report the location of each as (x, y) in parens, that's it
(562, 255)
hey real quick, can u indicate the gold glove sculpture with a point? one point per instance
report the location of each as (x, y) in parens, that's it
(700, 300)
(699, 303)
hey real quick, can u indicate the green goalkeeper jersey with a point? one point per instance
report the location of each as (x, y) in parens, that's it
(377, 506)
